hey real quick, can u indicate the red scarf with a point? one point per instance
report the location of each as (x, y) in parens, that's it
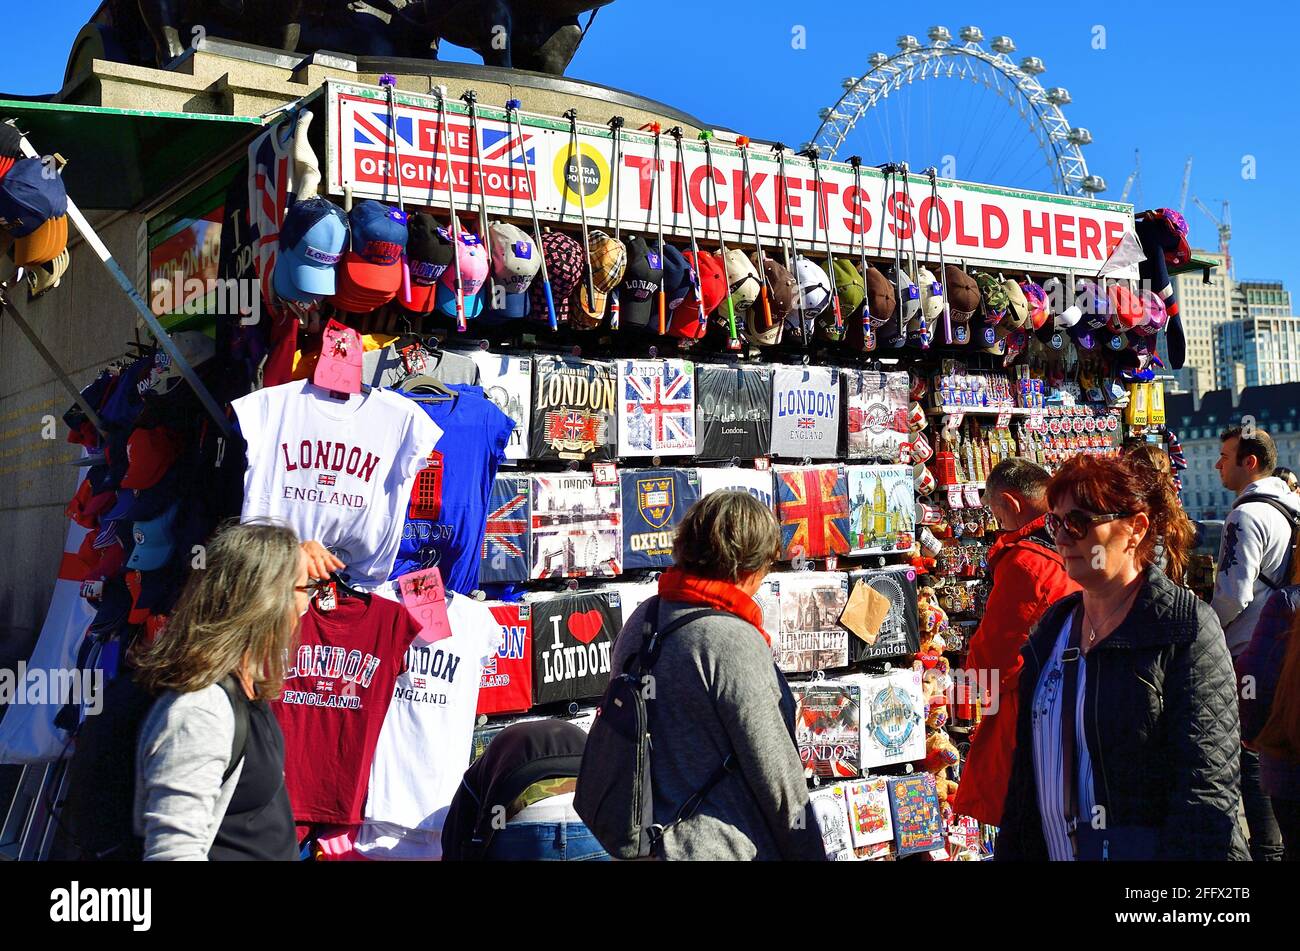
(677, 585)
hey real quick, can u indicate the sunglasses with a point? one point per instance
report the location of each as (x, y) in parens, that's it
(1077, 523)
(312, 588)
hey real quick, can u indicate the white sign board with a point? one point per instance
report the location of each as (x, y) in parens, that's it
(976, 224)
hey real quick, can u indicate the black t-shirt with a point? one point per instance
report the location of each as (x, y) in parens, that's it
(258, 825)
(734, 412)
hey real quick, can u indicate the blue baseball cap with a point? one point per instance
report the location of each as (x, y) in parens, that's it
(678, 278)
(313, 239)
(370, 274)
(30, 196)
(136, 505)
(154, 541)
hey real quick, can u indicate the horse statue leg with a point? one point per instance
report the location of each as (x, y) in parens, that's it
(160, 20)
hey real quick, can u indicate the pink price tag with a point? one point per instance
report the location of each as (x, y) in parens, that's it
(972, 495)
(1004, 420)
(954, 497)
(604, 473)
(424, 596)
(339, 367)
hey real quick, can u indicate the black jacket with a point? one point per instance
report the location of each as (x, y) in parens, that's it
(521, 754)
(1160, 720)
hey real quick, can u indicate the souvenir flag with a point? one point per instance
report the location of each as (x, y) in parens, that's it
(813, 506)
(505, 545)
(654, 502)
(656, 408)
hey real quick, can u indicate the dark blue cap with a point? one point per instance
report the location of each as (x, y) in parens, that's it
(678, 277)
(30, 195)
(378, 229)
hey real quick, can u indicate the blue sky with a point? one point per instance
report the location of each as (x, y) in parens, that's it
(1171, 80)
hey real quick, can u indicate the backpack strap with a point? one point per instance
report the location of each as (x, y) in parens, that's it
(239, 703)
(1292, 519)
(653, 641)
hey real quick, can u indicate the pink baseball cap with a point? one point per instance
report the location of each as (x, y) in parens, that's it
(473, 275)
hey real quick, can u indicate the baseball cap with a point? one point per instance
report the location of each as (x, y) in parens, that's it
(313, 239)
(814, 285)
(1017, 304)
(1157, 315)
(133, 505)
(194, 345)
(1040, 313)
(743, 284)
(154, 540)
(641, 283)
(29, 197)
(11, 149)
(563, 258)
(931, 294)
(515, 262)
(685, 321)
(782, 295)
(607, 260)
(46, 277)
(1084, 337)
(991, 339)
(44, 244)
(850, 286)
(1094, 304)
(679, 278)
(1058, 298)
(150, 453)
(993, 297)
(371, 272)
(882, 297)
(428, 255)
(473, 275)
(1126, 310)
(963, 293)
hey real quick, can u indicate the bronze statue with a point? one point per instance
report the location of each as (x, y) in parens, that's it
(540, 35)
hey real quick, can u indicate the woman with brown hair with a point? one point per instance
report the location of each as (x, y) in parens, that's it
(224, 645)
(1127, 735)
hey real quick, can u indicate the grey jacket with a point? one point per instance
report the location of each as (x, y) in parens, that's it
(1256, 541)
(183, 750)
(716, 693)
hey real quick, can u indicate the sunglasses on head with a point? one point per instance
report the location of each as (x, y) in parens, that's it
(313, 588)
(1077, 523)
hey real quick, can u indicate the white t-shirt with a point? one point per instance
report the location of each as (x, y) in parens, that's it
(806, 412)
(424, 747)
(508, 382)
(336, 472)
(757, 482)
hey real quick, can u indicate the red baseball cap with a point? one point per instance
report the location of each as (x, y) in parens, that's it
(1126, 310)
(711, 287)
(370, 275)
(149, 453)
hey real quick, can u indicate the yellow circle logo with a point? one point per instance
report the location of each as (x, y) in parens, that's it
(582, 178)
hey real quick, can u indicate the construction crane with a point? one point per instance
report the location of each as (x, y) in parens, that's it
(1134, 177)
(1224, 225)
(1187, 180)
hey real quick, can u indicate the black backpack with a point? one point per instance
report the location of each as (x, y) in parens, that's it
(1292, 519)
(615, 796)
(96, 818)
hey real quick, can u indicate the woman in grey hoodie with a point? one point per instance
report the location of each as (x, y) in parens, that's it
(718, 694)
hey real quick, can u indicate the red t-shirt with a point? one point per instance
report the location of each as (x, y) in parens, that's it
(337, 689)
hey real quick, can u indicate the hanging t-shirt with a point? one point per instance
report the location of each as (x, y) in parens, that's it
(900, 631)
(577, 529)
(388, 366)
(633, 594)
(757, 482)
(336, 694)
(882, 509)
(506, 685)
(813, 507)
(918, 822)
(337, 472)
(830, 806)
(870, 821)
(806, 412)
(447, 516)
(505, 557)
(811, 637)
(654, 503)
(508, 382)
(573, 637)
(893, 717)
(656, 408)
(876, 407)
(828, 727)
(735, 412)
(426, 738)
(574, 414)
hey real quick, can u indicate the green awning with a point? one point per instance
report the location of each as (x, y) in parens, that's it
(116, 157)
(1195, 264)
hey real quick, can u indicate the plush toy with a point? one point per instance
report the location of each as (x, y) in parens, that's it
(934, 668)
(939, 755)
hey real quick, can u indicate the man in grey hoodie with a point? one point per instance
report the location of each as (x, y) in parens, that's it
(1254, 559)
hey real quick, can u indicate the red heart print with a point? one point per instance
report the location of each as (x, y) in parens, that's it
(585, 627)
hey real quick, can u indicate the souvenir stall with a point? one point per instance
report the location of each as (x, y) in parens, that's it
(495, 358)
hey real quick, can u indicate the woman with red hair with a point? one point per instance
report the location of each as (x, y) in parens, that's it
(1128, 733)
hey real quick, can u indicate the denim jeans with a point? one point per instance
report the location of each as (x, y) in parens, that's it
(1265, 837)
(546, 842)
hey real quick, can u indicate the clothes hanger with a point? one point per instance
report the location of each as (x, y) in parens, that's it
(347, 590)
(427, 389)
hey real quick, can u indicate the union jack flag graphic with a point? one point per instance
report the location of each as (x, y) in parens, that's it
(813, 505)
(505, 543)
(658, 403)
(371, 127)
(500, 145)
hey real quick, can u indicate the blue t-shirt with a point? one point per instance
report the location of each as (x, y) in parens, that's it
(447, 515)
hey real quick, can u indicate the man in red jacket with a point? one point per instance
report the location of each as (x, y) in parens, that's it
(1028, 575)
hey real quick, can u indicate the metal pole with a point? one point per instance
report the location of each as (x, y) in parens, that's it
(743, 142)
(471, 100)
(461, 324)
(676, 133)
(575, 154)
(734, 342)
(616, 125)
(512, 110)
(813, 156)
